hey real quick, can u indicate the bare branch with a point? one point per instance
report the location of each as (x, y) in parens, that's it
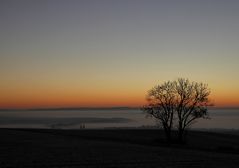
(181, 99)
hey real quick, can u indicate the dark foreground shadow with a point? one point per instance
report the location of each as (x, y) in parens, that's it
(114, 148)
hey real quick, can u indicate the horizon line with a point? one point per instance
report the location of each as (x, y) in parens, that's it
(98, 108)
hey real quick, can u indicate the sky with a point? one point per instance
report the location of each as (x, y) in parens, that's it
(103, 53)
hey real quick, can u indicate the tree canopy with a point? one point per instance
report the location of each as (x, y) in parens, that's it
(177, 104)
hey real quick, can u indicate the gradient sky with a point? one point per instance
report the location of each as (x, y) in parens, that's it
(75, 53)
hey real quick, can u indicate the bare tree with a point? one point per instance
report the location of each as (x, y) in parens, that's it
(161, 106)
(191, 103)
(179, 101)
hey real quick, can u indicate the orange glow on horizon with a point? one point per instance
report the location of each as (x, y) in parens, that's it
(72, 101)
(111, 95)
(107, 100)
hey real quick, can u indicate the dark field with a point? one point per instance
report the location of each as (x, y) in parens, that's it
(114, 148)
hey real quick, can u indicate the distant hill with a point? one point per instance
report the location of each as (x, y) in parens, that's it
(74, 108)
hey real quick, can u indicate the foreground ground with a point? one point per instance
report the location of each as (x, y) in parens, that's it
(114, 148)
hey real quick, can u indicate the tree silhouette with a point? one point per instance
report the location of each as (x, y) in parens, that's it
(161, 106)
(178, 104)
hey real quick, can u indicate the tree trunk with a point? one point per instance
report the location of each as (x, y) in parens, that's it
(180, 132)
(180, 135)
(167, 134)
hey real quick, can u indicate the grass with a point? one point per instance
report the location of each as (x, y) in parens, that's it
(114, 148)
